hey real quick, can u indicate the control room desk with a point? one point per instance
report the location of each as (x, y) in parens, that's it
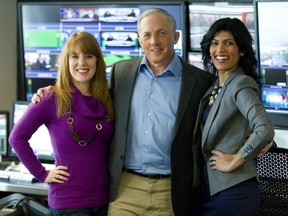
(38, 189)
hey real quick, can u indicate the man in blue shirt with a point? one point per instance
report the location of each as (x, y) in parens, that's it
(156, 99)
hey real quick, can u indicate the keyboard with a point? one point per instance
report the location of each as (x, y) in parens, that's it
(19, 174)
(16, 177)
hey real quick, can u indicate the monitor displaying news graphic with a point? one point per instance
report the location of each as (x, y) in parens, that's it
(275, 98)
(4, 132)
(272, 32)
(120, 40)
(42, 62)
(79, 14)
(45, 27)
(42, 38)
(40, 141)
(195, 58)
(275, 76)
(201, 17)
(111, 59)
(119, 14)
(272, 52)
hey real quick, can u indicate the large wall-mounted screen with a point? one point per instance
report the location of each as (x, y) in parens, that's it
(202, 15)
(272, 52)
(272, 29)
(44, 28)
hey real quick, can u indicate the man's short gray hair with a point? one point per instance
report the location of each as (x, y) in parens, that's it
(152, 11)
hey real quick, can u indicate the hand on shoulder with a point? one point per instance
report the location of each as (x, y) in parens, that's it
(37, 96)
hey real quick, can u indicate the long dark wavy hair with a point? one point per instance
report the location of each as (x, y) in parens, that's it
(244, 41)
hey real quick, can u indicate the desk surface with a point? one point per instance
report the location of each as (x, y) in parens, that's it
(33, 188)
(21, 181)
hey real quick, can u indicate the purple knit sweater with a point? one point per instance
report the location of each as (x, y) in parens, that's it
(88, 183)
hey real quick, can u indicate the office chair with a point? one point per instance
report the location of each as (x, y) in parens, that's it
(272, 169)
(19, 205)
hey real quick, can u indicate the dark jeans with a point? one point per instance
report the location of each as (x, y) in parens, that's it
(242, 199)
(99, 211)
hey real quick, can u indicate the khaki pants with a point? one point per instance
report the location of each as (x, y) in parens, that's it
(141, 196)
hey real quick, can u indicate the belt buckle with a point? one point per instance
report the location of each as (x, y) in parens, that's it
(155, 177)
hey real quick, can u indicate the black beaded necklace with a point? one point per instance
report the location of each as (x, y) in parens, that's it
(214, 93)
(76, 136)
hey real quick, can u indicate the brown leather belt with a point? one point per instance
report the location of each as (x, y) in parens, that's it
(153, 176)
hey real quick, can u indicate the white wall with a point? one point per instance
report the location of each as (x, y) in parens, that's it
(8, 53)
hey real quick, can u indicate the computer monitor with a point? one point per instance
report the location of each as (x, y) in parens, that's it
(40, 140)
(4, 132)
(45, 26)
(272, 52)
(202, 15)
(195, 58)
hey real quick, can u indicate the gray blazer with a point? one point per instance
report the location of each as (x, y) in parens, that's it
(185, 170)
(236, 113)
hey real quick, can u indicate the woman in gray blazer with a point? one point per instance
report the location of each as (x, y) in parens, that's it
(235, 124)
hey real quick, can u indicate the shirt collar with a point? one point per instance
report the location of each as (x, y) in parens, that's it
(175, 67)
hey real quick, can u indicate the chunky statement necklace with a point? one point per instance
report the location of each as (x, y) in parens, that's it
(214, 94)
(76, 136)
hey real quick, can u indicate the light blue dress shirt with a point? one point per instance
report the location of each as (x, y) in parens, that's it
(153, 112)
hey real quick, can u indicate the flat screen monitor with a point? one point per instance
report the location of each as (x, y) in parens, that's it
(272, 53)
(40, 140)
(45, 26)
(202, 15)
(195, 58)
(4, 132)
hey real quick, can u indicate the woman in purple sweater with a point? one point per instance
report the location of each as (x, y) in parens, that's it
(79, 116)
